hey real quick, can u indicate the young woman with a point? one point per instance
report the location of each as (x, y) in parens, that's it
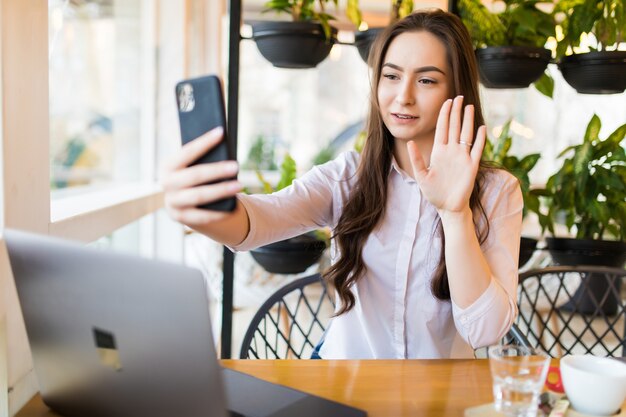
(425, 239)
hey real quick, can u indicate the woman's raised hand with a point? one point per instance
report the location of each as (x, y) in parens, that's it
(448, 182)
(187, 187)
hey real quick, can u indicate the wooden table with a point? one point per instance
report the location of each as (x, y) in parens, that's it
(381, 387)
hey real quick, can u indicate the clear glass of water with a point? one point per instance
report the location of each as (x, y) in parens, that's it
(518, 376)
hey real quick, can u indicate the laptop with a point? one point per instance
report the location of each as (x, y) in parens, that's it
(117, 335)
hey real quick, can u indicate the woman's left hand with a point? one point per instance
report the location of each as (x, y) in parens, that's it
(448, 182)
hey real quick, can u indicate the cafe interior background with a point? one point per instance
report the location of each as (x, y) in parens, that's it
(89, 115)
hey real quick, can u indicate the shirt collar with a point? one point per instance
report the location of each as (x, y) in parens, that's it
(395, 167)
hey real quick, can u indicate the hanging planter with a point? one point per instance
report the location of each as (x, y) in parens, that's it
(293, 44)
(307, 39)
(290, 256)
(526, 250)
(595, 72)
(509, 44)
(601, 22)
(364, 39)
(511, 66)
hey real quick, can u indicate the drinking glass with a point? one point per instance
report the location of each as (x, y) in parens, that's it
(518, 374)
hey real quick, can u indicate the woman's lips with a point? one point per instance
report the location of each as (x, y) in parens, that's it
(403, 118)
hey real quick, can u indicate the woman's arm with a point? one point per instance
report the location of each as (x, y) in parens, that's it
(260, 218)
(447, 184)
(184, 191)
(485, 320)
(482, 289)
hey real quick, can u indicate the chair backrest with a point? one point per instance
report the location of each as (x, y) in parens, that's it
(573, 310)
(291, 322)
(293, 319)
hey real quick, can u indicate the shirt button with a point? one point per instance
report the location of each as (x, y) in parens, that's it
(464, 319)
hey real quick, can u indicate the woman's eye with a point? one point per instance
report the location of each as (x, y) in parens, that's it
(426, 81)
(390, 76)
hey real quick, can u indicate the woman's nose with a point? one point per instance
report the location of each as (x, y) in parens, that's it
(405, 94)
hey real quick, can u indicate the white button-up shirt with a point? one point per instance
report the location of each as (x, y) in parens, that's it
(395, 314)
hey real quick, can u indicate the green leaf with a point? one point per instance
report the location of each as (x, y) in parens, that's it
(566, 150)
(406, 8)
(510, 162)
(488, 151)
(541, 192)
(545, 85)
(359, 143)
(609, 179)
(267, 187)
(277, 4)
(618, 155)
(618, 135)
(593, 129)
(353, 12)
(287, 172)
(485, 28)
(505, 130)
(531, 202)
(503, 148)
(529, 161)
(582, 158)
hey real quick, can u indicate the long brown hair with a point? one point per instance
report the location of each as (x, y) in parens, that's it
(367, 202)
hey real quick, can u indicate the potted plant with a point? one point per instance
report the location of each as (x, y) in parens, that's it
(588, 192)
(306, 40)
(497, 151)
(603, 69)
(509, 45)
(364, 39)
(296, 254)
(261, 155)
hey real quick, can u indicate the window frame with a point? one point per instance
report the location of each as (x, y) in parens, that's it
(24, 152)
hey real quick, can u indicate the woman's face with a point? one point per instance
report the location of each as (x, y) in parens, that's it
(414, 83)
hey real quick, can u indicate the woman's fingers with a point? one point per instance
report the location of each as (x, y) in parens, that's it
(417, 161)
(197, 217)
(441, 130)
(193, 150)
(467, 131)
(454, 129)
(479, 144)
(188, 186)
(199, 174)
(196, 196)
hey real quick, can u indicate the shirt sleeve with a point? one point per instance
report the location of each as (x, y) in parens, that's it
(488, 319)
(308, 203)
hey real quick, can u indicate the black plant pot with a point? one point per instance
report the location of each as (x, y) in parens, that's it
(511, 66)
(290, 256)
(363, 40)
(526, 250)
(595, 72)
(293, 44)
(565, 251)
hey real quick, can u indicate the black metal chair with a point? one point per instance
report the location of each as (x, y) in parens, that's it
(293, 319)
(573, 310)
(291, 322)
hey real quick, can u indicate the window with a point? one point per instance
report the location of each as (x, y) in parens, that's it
(96, 52)
(89, 121)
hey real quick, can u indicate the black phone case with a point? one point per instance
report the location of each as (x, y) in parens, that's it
(200, 109)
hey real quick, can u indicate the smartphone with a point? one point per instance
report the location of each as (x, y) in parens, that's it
(200, 109)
